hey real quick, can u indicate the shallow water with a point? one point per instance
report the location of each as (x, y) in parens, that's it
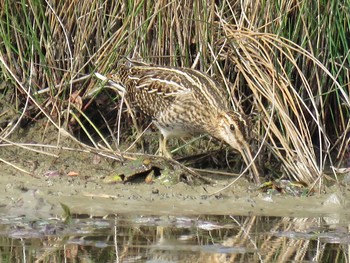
(174, 239)
(158, 222)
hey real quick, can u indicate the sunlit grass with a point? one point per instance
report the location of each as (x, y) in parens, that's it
(286, 64)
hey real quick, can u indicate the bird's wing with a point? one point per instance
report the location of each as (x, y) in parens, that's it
(163, 81)
(208, 89)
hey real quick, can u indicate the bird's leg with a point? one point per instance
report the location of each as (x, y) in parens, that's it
(163, 151)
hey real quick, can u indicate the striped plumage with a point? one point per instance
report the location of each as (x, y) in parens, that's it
(182, 102)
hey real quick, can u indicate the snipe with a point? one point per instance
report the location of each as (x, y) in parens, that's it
(182, 102)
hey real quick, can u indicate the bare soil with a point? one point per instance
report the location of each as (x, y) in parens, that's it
(87, 183)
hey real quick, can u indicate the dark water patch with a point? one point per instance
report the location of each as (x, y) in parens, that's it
(173, 239)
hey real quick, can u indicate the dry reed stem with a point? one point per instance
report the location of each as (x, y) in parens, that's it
(55, 44)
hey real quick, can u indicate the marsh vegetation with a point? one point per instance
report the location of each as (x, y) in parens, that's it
(285, 64)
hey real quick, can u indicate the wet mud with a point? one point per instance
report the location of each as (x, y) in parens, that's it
(90, 183)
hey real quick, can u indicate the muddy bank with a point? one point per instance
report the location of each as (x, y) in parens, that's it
(79, 180)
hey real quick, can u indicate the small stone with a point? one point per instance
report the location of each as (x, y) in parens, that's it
(155, 191)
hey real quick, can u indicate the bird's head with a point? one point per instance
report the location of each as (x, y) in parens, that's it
(234, 129)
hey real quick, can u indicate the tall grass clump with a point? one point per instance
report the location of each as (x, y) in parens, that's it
(284, 63)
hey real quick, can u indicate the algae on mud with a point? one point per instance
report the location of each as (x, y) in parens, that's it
(150, 219)
(89, 193)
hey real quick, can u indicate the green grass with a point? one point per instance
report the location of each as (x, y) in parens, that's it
(285, 65)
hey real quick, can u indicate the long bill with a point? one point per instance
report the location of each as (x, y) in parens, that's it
(248, 159)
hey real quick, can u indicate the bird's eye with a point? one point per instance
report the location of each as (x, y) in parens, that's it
(232, 127)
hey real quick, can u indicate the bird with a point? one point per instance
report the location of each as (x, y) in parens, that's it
(184, 102)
